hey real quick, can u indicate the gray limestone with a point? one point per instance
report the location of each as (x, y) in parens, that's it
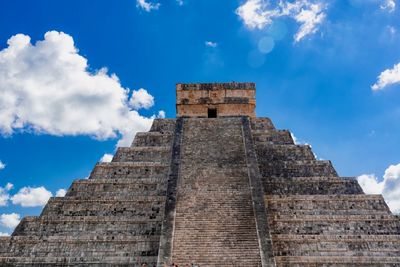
(229, 191)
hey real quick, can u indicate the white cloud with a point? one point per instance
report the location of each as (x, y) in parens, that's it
(210, 44)
(61, 192)
(4, 195)
(370, 184)
(387, 77)
(141, 99)
(4, 234)
(296, 142)
(9, 186)
(309, 20)
(256, 14)
(161, 114)
(31, 196)
(392, 30)
(10, 220)
(2, 165)
(147, 6)
(389, 5)
(389, 187)
(106, 158)
(47, 87)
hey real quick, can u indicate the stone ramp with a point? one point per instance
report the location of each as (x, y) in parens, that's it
(214, 223)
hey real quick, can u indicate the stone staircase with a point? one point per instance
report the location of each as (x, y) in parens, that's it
(214, 223)
(229, 191)
(315, 217)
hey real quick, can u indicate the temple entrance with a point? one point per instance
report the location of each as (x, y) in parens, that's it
(212, 112)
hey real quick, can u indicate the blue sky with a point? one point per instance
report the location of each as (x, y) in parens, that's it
(326, 70)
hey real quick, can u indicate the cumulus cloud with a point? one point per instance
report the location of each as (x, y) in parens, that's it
(141, 99)
(4, 195)
(31, 196)
(106, 158)
(47, 87)
(370, 184)
(10, 220)
(61, 192)
(389, 5)
(210, 44)
(389, 187)
(257, 14)
(147, 6)
(2, 165)
(387, 77)
(4, 234)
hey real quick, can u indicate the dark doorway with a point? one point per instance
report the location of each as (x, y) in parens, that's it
(212, 112)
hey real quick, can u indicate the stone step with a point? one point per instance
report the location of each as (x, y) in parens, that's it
(79, 261)
(228, 161)
(161, 154)
(349, 261)
(225, 260)
(4, 244)
(129, 170)
(67, 246)
(277, 137)
(326, 205)
(200, 172)
(311, 186)
(335, 224)
(198, 221)
(336, 245)
(163, 125)
(209, 189)
(269, 153)
(93, 225)
(202, 245)
(83, 238)
(261, 124)
(140, 208)
(303, 168)
(152, 139)
(97, 188)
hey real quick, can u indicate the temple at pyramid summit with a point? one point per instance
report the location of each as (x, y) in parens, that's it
(216, 186)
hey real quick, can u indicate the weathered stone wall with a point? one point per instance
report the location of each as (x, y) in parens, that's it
(112, 218)
(315, 217)
(229, 99)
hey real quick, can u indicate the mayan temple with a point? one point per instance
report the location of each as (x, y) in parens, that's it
(216, 186)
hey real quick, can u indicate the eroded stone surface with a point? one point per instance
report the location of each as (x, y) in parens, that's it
(185, 192)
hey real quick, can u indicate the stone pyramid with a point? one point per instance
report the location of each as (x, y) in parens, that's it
(214, 187)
